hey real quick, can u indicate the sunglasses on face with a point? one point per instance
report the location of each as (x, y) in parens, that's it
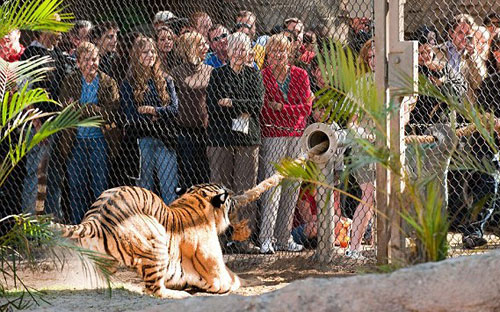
(215, 39)
(243, 25)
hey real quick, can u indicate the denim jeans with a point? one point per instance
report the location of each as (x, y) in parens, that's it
(88, 158)
(54, 178)
(155, 156)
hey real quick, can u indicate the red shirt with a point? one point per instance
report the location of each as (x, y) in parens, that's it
(292, 118)
(307, 56)
(11, 56)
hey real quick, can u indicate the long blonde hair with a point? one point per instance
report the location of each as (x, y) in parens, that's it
(363, 54)
(139, 75)
(186, 46)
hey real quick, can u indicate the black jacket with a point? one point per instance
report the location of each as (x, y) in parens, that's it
(62, 65)
(139, 126)
(246, 91)
(488, 98)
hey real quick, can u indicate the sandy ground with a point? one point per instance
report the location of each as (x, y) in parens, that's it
(76, 287)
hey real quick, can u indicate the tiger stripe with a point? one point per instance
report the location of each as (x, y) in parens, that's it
(171, 247)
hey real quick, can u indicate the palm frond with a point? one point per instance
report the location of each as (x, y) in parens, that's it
(13, 73)
(35, 15)
(350, 87)
(25, 236)
(430, 222)
(18, 110)
(66, 119)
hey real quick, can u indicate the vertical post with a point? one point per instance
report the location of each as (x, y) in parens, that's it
(382, 185)
(327, 219)
(401, 58)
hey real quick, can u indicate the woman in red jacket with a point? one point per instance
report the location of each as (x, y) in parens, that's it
(287, 105)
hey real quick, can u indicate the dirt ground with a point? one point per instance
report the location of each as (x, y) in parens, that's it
(77, 288)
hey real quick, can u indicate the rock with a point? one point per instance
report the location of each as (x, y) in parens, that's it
(462, 284)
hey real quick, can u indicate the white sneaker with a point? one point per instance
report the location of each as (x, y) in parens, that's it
(290, 246)
(267, 246)
(355, 255)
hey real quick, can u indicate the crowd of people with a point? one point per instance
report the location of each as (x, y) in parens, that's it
(190, 101)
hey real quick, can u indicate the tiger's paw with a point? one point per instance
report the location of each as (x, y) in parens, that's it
(166, 293)
(241, 231)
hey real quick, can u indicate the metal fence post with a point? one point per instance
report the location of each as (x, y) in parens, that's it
(383, 226)
(393, 57)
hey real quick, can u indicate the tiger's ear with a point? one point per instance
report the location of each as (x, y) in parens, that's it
(180, 190)
(219, 200)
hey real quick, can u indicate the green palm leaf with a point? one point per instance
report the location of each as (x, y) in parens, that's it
(68, 118)
(33, 15)
(12, 74)
(350, 88)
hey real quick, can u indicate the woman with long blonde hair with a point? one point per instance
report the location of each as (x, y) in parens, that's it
(150, 103)
(191, 78)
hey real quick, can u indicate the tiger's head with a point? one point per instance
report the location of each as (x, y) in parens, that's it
(218, 196)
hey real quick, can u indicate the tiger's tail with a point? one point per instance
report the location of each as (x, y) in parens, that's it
(41, 194)
(82, 230)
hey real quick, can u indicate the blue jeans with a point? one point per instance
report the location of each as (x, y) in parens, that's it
(54, 178)
(155, 156)
(88, 157)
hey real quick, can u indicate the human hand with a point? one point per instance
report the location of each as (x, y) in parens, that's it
(37, 123)
(438, 82)
(147, 110)
(225, 102)
(275, 105)
(318, 114)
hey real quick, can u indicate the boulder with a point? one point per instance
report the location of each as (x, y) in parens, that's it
(461, 284)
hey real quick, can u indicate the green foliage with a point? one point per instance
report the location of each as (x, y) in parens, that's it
(429, 220)
(28, 239)
(18, 116)
(351, 94)
(33, 15)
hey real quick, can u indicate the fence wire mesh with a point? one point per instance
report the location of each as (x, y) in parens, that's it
(458, 51)
(199, 91)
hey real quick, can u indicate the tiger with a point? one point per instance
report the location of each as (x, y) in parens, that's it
(172, 247)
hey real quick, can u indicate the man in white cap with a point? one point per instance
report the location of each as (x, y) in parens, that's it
(162, 18)
(169, 19)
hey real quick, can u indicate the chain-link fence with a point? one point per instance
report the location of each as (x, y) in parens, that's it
(458, 43)
(222, 90)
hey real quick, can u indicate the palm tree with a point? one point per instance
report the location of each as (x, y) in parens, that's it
(17, 116)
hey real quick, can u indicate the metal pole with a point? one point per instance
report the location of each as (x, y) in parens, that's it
(382, 183)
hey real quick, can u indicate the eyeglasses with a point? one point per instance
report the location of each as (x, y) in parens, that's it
(243, 25)
(215, 39)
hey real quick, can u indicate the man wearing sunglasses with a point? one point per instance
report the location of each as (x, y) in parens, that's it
(492, 22)
(245, 23)
(217, 40)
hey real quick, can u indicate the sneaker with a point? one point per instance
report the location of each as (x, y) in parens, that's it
(355, 255)
(473, 241)
(290, 246)
(267, 246)
(246, 247)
